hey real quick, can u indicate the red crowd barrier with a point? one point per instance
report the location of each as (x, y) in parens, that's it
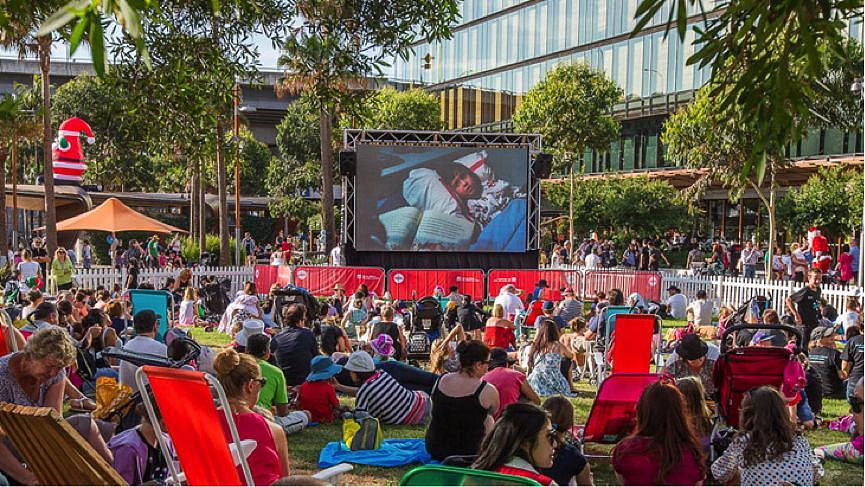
(648, 284)
(319, 280)
(417, 283)
(527, 280)
(266, 276)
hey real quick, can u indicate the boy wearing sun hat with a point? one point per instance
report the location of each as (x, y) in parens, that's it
(317, 394)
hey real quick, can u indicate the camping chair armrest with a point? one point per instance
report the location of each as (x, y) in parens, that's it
(333, 473)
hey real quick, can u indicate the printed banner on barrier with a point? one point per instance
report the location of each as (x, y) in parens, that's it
(320, 280)
(527, 280)
(648, 284)
(266, 276)
(417, 283)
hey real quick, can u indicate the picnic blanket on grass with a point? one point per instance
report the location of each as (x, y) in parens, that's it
(393, 453)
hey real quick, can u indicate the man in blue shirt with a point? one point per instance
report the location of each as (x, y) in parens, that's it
(854, 252)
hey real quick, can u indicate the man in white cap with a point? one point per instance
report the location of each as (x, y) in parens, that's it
(510, 302)
(250, 327)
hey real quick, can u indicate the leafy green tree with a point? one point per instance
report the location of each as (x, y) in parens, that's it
(572, 109)
(337, 45)
(15, 123)
(21, 22)
(719, 143)
(389, 109)
(297, 168)
(255, 159)
(831, 199)
(769, 60)
(624, 207)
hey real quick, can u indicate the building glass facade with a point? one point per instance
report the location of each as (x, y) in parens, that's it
(502, 48)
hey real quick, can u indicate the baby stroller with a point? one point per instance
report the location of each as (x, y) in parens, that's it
(123, 414)
(426, 324)
(214, 299)
(294, 295)
(740, 369)
(749, 313)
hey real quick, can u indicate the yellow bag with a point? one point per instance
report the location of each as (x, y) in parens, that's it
(109, 396)
(363, 435)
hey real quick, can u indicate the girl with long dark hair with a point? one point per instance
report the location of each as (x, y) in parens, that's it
(521, 442)
(663, 449)
(767, 450)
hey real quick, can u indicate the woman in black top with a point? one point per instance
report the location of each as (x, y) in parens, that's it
(463, 405)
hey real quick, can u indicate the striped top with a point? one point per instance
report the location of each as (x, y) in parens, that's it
(384, 398)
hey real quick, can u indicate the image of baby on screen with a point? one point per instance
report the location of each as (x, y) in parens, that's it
(451, 203)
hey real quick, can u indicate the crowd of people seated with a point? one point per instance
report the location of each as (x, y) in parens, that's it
(490, 392)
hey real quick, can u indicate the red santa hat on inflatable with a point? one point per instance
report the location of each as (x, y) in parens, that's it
(68, 153)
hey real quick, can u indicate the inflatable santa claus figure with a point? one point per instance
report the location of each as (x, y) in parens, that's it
(67, 152)
(820, 248)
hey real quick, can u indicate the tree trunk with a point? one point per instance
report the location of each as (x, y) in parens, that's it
(771, 244)
(14, 178)
(193, 200)
(4, 249)
(224, 247)
(48, 172)
(202, 208)
(571, 211)
(327, 218)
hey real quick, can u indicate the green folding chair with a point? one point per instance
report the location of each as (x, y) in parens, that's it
(160, 302)
(445, 475)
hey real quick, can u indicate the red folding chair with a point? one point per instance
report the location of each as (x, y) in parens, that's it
(614, 412)
(186, 406)
(631, 348)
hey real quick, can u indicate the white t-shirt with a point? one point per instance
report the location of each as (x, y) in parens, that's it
(510, 303)
(848, 319)
(28, 269)
(788, 263)
(336, 256)
(593, 261)
(677, 305)
(139, 344)
(702, 312)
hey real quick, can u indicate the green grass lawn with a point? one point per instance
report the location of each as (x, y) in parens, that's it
(305, 447)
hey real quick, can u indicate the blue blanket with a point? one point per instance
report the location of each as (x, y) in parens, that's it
(393, 453)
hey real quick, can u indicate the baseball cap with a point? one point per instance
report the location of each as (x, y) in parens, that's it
(548, 305)
(359, 361)
(822, 332)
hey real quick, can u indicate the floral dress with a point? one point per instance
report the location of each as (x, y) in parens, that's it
(546, 377)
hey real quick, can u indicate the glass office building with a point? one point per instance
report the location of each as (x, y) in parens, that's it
(502, 48)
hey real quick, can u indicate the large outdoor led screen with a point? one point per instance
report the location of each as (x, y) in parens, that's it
(446, 199)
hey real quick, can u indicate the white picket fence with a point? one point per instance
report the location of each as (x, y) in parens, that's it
(91, 278)
(734, 291)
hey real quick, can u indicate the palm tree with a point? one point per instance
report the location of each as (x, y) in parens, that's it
(16, 122)
(20, 30)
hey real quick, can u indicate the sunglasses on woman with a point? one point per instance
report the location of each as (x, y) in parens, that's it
(262, 381)
(553, 437)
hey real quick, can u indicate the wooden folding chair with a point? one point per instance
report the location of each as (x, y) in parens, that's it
(53, 451)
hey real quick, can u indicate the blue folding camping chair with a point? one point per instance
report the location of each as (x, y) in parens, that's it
(160, 302)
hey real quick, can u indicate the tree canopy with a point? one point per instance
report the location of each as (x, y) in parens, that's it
(831, 200)
(389, 109)
(625, 207)
(572, 109)
(768, 60)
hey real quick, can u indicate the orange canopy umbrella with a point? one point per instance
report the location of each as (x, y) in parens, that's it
(113, 216)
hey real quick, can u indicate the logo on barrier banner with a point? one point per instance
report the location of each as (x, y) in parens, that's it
(301, 274)
(653, 281)
(398, 278)
(362, 277)
(257, 273)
